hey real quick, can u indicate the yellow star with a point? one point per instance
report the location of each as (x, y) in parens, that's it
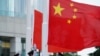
(74, 16)
(58, 9)
(69, 21)
(71, 4)
(75, 9)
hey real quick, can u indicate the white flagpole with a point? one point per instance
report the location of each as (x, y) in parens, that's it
(45, 4)
(29, 24)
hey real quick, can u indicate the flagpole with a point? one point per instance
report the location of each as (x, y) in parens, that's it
(45, 7)
(29, 24)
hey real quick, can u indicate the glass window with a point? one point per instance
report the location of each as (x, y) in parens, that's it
(11, 8)
(3, 7)
(23, 41)
(19, 8)
(4, 46)
(15, 8)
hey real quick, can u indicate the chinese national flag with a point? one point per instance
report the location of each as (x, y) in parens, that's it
(73, 26)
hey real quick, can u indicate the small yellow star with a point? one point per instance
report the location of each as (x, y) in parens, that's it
(58, 9)
(71, 4)
(69, 21)
(75, 9)
(74, 16)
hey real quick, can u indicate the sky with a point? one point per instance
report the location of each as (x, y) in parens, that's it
(92, 2)
(86, 51)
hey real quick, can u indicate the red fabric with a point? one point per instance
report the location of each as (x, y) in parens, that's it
(37, 34)
(82, 32)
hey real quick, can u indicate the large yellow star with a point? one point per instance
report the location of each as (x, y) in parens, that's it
(58, 9)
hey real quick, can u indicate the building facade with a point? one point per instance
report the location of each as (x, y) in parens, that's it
(12, 27)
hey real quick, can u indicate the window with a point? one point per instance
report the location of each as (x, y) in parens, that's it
(15, 8)
(23, 41)
(3, 7)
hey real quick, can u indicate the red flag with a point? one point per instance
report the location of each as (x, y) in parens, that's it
(37, 35)
(73, 26)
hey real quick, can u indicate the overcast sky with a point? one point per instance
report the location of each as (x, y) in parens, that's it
(92, 2)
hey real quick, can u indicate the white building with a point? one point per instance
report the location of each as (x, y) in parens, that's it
(12, 27)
